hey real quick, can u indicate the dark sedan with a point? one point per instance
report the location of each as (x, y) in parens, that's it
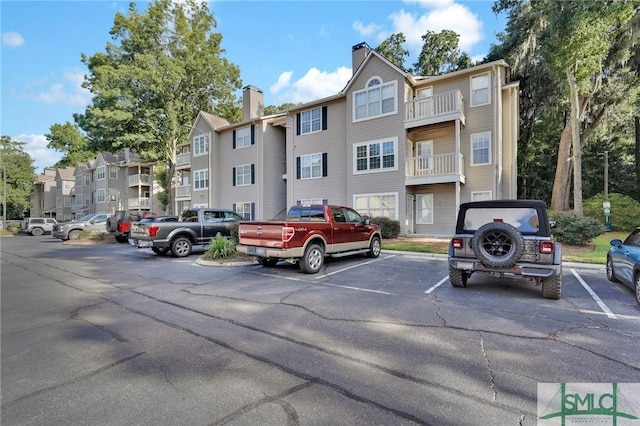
(623, 262)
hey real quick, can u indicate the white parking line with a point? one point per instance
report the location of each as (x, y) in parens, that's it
(593, 294)
(351, 267)
(432, 288)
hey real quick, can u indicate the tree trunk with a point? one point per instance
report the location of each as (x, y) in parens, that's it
(562, 181)
(637, 152)
(574, 121)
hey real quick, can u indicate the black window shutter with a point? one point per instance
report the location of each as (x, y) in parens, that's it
(298, 202)
(298, 124)
(253, 174)
(253, 211)
(234, 176)
(324, 118)
(234, 139)
(325, 201)
(297, 167)
(233, 207)
(253, 134)
(324, 164)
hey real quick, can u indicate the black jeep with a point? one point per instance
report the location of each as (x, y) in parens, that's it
(506, 237)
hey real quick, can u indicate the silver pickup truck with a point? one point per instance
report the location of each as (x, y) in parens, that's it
(196, 227)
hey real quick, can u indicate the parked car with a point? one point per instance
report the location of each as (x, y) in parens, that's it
(195, 227)
(623, 262)
(120, 223)
(37, 225)
(94, 223)
(308, 234)
(506, 238)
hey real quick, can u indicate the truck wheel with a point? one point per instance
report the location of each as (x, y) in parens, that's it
(457, 277)
(37, 232)
(75, 234)
(312, 260)
(497, 244)
(181, 247)
(122, 238)
(552, 287)
(160, 250)
(269, 263)
(374, 247)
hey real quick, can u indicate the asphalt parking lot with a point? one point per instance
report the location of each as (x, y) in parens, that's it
(107, 334)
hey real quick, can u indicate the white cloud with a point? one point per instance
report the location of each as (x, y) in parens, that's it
(366, 30)
(36, 147)
(11, 39)
(69, 92)
(315, 84)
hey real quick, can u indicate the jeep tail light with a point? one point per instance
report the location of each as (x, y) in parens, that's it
(153, 231)
(287, 233)
(546, 247)
(456, 243)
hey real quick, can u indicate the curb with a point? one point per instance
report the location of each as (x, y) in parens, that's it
(215, 263)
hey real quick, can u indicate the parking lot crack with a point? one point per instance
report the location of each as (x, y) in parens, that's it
(75, 315)
(489, 369)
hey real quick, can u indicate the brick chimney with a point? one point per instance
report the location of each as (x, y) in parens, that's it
(252, 102)
(358, 53)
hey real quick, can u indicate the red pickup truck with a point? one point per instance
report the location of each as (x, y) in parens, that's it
(308, 234)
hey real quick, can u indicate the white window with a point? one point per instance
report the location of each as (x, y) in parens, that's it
(66, 217)
(243, 137)
(201, 179)
(309, 201)
(377, 205)
(311, 166)
(68, 185)
(67, 201)
(311, 121)
(100, 173)
(87, 179)
(480, 148)
(113, 172)
(424, 153)
(244, 210)
(87, 199)
(113, 194)
(376, 100)
(58, 202)
(78, 180)
(79, 199)
(375, 156)
(480, 93)
(100, 196)
(200, 146)
(424, 209)
(243, 175)
(481, 196)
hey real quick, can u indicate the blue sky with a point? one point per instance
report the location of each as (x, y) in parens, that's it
(295, 51)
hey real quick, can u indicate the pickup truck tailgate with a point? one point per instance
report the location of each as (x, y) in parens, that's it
(261, 234)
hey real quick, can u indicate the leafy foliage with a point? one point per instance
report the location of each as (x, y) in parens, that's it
(625, 211)
(235, 235)
(574, 230)
(68, 139)
(19, 169)
(392, 50)
(388, 227)
(440, 54)
(221, 248)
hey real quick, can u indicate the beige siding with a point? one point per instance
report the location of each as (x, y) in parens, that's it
(272, 186)
(444, 210)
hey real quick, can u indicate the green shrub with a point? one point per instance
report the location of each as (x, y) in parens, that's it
(14, 228)
(221, 248)
(572, 230)
(388, 227)
(625, 211)
(233, 228)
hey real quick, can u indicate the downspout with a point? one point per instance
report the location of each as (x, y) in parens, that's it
(497, 122)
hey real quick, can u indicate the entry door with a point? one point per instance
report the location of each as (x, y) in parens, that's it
(424, 160)
(410, 208)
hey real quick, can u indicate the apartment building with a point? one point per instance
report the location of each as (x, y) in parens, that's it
(411, 148)
(64, 193)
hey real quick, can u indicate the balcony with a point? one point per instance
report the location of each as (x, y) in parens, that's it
(136, 180)
(434, 109)
(431, 169)
(183, 192)
(183, 161)
(139, 203)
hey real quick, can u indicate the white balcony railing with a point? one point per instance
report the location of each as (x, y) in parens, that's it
(135, 180)
(445, 106)
(183, 159)
(139, 203)
(435, 165)
(183, 191)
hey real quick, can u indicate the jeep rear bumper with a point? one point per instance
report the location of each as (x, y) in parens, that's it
(523, 269)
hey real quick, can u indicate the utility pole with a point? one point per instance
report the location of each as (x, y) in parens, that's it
(606, 175)
(4, 193)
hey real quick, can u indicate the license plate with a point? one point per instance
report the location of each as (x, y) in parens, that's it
(256, 251)
(465, 265)
(145, 243)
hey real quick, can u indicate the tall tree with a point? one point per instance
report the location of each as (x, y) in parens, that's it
(167, 67)
(440, 54)
(19, 169)
(68, 139)
(392, 50)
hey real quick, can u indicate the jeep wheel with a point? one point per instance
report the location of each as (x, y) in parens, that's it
(457, 277)
(267, 262)
(552, 287)
(181, 247)
(374, 247)
(112, 224)
(75, 234)
(498, 245)
(122, 238)
(160, 250)
(312, 260)
(37, 232)
(611, 274)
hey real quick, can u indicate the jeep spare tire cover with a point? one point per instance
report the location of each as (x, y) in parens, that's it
(112, 224)
(498, 245)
